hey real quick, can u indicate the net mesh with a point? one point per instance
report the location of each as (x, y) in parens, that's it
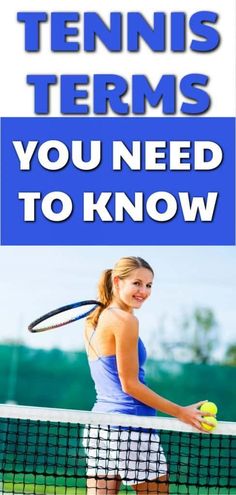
(53, 456)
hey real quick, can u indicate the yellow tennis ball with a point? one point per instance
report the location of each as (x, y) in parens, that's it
(209, 407)
(212, 420)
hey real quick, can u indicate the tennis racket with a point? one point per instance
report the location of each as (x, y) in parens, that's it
(63, 315)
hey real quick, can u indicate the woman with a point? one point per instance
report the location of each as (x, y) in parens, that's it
(116, 357)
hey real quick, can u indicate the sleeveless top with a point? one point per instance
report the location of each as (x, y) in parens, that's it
(110, 398)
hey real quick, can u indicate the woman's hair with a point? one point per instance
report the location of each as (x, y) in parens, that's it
(122, 269)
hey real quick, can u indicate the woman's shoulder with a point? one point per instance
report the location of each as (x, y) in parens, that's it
(118, 315)
(118, 322)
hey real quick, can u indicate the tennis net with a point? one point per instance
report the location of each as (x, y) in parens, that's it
(57, 451)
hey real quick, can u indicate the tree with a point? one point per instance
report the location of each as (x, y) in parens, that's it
(230, 355)
(200, 335)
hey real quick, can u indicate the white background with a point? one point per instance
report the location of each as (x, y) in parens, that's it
(16, 97)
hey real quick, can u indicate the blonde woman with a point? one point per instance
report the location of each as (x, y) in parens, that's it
(116, 357)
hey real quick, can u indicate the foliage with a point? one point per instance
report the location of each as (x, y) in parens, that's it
(201, 335)
(197, 338)
(230, 355)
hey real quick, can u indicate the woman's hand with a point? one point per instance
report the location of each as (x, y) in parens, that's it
(193, 416)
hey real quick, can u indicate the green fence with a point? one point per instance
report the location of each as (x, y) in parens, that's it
(58, 379)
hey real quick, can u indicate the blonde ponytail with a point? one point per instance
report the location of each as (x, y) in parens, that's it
(105, 294)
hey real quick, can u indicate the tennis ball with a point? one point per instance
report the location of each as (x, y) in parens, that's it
(212, 420)
(209, 407)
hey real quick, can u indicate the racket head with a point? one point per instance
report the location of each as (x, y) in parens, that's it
(64, 315)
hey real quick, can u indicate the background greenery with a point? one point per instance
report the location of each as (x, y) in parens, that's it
(57, 379)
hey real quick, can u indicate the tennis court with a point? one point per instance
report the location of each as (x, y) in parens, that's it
(43, 451)
(20, 488)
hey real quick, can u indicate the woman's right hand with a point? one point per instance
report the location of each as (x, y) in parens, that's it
(193, 416)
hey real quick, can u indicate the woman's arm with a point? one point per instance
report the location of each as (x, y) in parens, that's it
(126, 339)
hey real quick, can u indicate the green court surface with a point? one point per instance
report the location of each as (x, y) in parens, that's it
(20, 488)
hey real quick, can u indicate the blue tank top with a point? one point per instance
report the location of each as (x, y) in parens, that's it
(110, 398)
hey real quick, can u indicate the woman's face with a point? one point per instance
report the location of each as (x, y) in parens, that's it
(134, 289)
